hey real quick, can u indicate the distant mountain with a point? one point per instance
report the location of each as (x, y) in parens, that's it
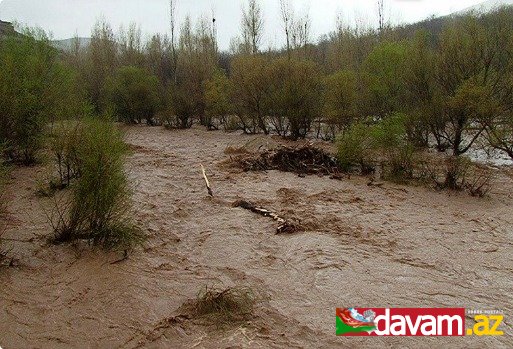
(6, 29)
(69, 44)
(435, 25)
(486, 6)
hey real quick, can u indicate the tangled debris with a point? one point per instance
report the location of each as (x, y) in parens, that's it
(303, 160)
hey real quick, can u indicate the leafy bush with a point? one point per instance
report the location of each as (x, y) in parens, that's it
(383, 71)
(217, 98)
(340, 99)
(296, 90)
(134, 94)
(385, 142)
(36, 89)
(390, 137)
(500, 134)
(183, 107)
(64, 140)
(250, 77)
(354, 147)
(419, 91)
(64, 144)
(100, 198)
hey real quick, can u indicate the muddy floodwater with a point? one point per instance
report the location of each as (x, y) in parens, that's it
(366, 246)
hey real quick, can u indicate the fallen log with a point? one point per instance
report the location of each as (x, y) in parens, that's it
(285, 227)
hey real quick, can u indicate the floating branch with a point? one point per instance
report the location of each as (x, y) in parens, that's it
(206, 181)
(284, 227)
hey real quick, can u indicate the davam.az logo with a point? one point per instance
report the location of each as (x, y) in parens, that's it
(415, 322)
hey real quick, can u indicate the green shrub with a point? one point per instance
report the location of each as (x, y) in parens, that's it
(217, 99)
(354, 147)
(134, 95)
(390, 138)
(64, 144)
(499, 134)
(296, 91)
(36, 89)
(383, 70)
(385, 142)
(340, 98)
(100, 199)
(250, 80)
(183, 107)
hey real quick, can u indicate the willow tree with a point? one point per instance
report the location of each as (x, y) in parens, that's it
(473, 78)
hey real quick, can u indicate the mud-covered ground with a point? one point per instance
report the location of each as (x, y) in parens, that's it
(390, 246)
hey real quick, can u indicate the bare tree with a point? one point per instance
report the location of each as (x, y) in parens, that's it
(302, 31)
(287, 16)
(252, 25)
(172, 21)
(381, 15)
(130, 45)
(214, 34)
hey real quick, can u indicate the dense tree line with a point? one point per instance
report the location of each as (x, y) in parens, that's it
(452, 86)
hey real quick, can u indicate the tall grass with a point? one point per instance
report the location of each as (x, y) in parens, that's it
(99, 206)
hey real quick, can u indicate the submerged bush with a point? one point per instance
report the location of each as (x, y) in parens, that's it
(340, 97)
(385, 142)
(64, 140)
(462, 174)
(296, 90)
(390, 138)
(100, 199)
(220, 307)
(354, 147)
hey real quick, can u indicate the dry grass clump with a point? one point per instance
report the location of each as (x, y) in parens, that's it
(221, 307)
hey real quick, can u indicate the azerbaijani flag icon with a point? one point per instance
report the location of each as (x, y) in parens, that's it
(350, 322)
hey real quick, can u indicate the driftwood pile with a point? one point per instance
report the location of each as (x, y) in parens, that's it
(303, 160)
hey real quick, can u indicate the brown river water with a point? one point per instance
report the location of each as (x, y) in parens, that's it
(390, 246)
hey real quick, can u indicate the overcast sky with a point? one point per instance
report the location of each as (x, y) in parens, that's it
(65, 18)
